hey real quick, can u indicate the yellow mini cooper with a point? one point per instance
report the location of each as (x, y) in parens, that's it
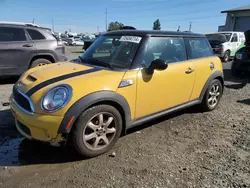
(125, 78)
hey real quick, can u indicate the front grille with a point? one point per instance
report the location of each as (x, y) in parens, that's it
(21, 100)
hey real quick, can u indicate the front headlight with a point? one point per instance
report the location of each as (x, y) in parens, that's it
(56, 98)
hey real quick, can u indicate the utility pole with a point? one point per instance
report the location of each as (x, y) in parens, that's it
(190, 26)
(53, 25)
(106, 13)
(33, 21)
(178, 28)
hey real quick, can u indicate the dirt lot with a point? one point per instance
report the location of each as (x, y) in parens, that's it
(185, 149)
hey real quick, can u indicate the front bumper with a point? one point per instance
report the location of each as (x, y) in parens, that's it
(37, 126)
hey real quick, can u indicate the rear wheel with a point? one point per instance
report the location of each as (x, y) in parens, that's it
(212, 96)
(40, 62)
(97, 130)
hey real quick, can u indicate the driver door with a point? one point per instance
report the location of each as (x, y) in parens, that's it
(166, 88)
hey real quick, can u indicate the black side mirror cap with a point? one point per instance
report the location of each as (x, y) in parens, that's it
(159, 64)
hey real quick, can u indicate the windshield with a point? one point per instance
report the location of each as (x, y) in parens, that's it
(116, 51)
(224, 37)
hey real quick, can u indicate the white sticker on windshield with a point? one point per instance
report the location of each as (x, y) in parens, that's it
(133, 39)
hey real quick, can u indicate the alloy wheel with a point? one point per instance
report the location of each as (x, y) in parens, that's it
(214, 95)
(99, 131)
(41, 64)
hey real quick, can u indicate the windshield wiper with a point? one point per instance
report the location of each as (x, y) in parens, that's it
(99, 62)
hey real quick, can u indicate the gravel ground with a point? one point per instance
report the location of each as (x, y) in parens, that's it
(185, 149)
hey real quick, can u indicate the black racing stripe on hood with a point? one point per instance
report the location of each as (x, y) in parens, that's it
(59, 78)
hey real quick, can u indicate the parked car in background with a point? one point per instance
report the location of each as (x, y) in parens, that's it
(141, 76)
(64, 41)
(23, 46)
(225, 43)
(75, 42)
(241, 61)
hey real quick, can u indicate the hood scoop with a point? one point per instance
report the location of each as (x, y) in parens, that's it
(31, 78)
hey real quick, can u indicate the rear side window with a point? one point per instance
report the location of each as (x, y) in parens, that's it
(234, 38)
(170, 49)
(198, 48)
(9, 34)
(35, 35)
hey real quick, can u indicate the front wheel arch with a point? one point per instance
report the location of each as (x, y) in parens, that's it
(102, 97)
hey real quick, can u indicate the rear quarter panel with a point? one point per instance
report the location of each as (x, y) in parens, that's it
(203, 72)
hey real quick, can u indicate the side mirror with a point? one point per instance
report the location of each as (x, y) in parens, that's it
(159, 64)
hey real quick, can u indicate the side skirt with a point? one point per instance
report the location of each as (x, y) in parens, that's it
(147, 118)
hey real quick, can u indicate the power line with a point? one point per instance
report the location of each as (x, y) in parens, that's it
(189, 3)
(171, 7)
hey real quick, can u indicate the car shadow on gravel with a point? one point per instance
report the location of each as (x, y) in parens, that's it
(17, 151)
(8, 79)
(190, 110)
(77, 52)
(245, 101)
(232, 82)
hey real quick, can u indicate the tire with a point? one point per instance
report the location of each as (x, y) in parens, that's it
(39, 62)
(74, 44)
(207, 104)
(89, 123)
(226, 56)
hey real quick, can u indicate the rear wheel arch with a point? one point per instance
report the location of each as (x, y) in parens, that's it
(216, 75)
(98, 98)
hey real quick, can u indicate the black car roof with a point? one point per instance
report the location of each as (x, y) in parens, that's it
(154, 33)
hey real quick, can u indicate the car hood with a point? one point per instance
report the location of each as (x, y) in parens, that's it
(67, 73)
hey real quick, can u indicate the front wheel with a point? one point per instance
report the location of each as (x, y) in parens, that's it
(97, 130)
(40, 62)
(212, 96)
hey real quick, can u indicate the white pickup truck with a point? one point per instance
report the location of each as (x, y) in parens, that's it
(225, 43)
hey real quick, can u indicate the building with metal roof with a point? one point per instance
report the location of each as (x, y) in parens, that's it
(238, 19)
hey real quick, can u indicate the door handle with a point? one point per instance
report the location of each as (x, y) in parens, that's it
(190, 70)
(27, 45)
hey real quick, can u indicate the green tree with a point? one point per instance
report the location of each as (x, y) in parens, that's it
(115, 26)
(157, 25)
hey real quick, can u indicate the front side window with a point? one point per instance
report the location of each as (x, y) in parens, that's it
(116, 51)
(170, 49)
(199, 48)
(9, 34)
(234, 38)
(35, 35)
